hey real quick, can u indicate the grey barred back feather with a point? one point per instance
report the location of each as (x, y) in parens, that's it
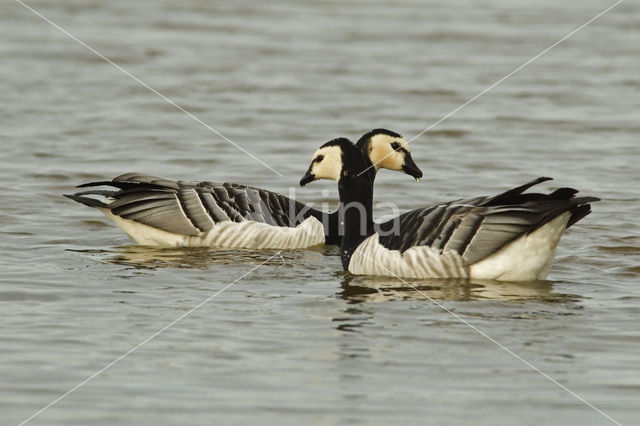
(191, 208)
(478, 227)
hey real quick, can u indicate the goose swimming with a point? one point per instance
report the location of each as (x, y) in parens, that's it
(163, 212)
(510, 236)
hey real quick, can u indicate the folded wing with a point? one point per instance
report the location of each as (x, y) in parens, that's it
(479, 227)
(191, 208)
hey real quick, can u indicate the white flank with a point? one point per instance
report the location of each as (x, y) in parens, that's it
(527, 258)
(247, 235)
(372, 258)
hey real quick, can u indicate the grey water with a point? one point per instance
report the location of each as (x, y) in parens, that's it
(296, 340)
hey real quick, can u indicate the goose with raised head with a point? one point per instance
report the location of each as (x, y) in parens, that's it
(163, 212)
(510, 236)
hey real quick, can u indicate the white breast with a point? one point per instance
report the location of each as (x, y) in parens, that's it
(227, 234)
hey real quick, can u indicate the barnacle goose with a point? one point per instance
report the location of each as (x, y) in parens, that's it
(510, 236)
(162, 212)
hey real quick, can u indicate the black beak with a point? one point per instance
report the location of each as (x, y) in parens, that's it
(308, 177)
(410, 168)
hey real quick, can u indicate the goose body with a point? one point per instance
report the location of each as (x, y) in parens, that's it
(510, 236)
(163, 212)
(160, 212)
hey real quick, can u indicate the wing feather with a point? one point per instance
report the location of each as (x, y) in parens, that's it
(191, 208)
(194, 209)
(478, 227)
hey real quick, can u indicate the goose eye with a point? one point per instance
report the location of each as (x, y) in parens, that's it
(395, 146)
(319, 158)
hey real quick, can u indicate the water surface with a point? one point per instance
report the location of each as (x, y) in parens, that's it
(297, 340)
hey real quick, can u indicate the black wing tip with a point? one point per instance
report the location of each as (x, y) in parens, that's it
(87, 201)
(125, 181)
(578, 213)
(514, 195)
(570, 194)
(136, 177)
(581, 207)
(587, 200)
(100, 183)
(118, 180)
(563, 194)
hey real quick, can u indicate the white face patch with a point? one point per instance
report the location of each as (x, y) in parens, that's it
(327, 163)
(382, 152)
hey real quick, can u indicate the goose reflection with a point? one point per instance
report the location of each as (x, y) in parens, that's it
(145, 257)
(358, 289)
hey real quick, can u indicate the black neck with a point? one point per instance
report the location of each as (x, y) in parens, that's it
(355, 210)
(353, 221)
(334, 226)
(330, 223)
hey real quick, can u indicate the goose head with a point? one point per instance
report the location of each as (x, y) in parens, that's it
(334, 160)
(388, 150)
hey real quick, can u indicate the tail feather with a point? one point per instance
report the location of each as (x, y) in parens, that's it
(578, 213)
(132, 183)
(578, 206)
